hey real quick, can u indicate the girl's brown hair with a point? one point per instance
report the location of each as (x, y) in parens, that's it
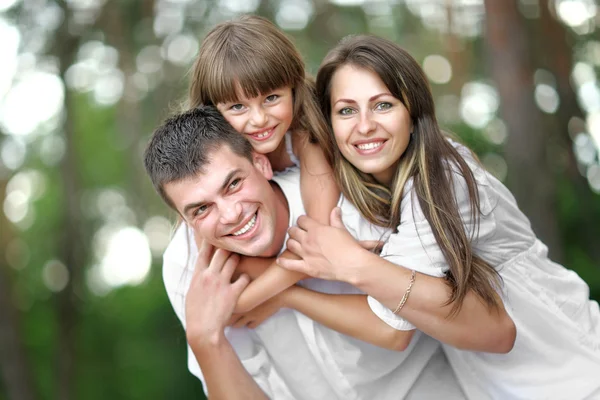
(428, 160)
(252, 55)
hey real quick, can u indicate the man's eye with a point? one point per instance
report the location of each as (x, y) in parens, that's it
(235, 183)
(271, 98)
(237, 107)
(200, 210)
(383, 106)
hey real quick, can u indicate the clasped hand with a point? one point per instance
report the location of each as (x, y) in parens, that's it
(326, 251)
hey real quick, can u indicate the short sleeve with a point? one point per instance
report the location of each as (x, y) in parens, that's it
(413, 245)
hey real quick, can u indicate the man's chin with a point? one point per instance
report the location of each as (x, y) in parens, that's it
(248, 249)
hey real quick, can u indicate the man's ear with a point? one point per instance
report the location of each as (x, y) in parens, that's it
(262, 163)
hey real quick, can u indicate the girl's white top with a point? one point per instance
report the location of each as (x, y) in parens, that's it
(557, 350)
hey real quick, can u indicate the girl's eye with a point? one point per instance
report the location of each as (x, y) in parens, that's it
(237, 107)
(383, 106)
(346, 111)
(235, 183)
(271, 98)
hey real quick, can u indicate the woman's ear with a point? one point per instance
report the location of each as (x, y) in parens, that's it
(262, 163)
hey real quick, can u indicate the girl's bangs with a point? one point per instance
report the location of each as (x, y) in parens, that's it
(246, 76)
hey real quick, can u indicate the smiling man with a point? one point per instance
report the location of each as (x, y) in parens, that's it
(228, 195)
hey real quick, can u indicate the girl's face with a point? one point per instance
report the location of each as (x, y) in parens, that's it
(371, 126)
(263, 119)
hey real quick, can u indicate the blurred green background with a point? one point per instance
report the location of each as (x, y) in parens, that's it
(83, 312)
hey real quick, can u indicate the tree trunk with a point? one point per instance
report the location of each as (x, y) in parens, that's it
(529, 176)
(71, 241)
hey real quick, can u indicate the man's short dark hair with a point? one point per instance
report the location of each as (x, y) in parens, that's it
(180, 147)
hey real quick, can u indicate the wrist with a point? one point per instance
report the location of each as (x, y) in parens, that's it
(358, 273)
(288, 297)
(204, 340)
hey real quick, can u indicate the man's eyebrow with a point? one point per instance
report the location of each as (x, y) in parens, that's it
(224, 186)
(228, 178)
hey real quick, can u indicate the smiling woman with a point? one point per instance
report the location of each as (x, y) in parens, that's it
(361, 105)
(450, 219)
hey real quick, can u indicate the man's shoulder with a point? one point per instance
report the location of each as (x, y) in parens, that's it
(179, 254)
(289, 183)
(289, 176)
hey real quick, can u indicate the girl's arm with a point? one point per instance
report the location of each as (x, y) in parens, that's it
(345, 313)
(268, 279)
(320, 193)
(348, 314)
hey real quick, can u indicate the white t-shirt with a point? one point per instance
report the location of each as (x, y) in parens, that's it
(557, 350)
(293, 357)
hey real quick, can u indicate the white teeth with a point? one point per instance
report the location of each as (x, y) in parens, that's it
(262, 135)
(246, 227)
(369, 146)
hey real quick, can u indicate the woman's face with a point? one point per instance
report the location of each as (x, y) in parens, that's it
(371, 126)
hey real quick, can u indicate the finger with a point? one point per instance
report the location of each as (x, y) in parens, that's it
(305, 222)
(233, 319)
(240, 323)
(295, 247)
(297, 233)
(335, 218)
(240, 284)
(204, 255)
(218, 260)
(253, 324)
(292, 265)
(198, 239)
(230, 265)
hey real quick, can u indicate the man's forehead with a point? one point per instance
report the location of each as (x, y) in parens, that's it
(223, 157)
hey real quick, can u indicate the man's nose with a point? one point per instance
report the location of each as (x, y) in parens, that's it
(231, 213)
(366, 124)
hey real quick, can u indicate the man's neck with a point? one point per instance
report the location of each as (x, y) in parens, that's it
(282, 219)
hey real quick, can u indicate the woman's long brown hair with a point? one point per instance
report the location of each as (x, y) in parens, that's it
(429, 160)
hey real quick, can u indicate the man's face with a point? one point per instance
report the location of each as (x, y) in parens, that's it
(232, 204)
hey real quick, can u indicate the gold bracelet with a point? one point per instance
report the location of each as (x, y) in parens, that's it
(408, 289)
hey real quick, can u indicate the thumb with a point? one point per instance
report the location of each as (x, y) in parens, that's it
(335, 218)
(240, 284)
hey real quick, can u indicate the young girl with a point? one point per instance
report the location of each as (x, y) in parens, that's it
(254, 75)
(452, 219)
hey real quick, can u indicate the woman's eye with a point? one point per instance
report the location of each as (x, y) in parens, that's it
(383, 106)
(237, 107)
(346, 111)
(271, 98)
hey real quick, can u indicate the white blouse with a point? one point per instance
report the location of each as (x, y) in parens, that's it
(557, 350)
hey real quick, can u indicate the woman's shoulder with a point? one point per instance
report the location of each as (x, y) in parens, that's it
(487, 194)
